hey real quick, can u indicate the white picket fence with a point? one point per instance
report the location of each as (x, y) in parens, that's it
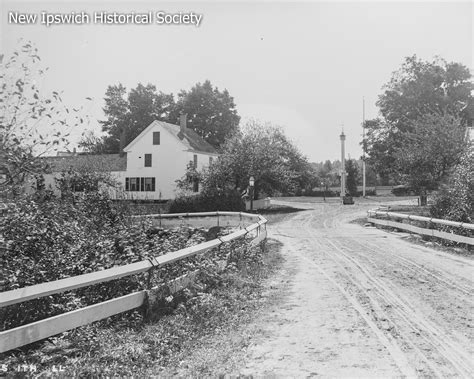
(23, 335)
(392, 219)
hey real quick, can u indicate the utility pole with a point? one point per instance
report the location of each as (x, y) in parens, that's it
(363, 147)
(343, 165)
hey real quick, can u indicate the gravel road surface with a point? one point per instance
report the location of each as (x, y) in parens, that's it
(363, 302)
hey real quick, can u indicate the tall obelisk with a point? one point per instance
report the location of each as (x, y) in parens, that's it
(343, 164)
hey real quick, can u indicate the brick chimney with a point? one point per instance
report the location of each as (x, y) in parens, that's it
(182, 122)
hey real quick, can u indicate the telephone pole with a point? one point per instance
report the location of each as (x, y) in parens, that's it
(363, 147)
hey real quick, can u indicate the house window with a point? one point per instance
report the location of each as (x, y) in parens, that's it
(210, 160)
(195, 161)
(147, 160)
(134, 184)
(150, 184)
(140, 184)
(156, 138)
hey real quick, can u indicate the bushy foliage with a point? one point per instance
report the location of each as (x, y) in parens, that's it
(455, 201)
(208, 201)
(423, 113)
(322, 193)
(65, 237)
(127, 115)
(352, 170)
(55, 239)
(211, 113)
(430, 150)
(264, 152)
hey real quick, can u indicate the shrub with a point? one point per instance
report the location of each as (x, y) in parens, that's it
(455, 201)
(55, 239)
(208, 202)
(319, 193)
(402, 190)
(60, 238)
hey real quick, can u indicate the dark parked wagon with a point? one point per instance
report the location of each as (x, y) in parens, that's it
(347, 200)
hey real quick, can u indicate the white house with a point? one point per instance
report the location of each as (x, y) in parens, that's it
(160, 155)
(150, 164)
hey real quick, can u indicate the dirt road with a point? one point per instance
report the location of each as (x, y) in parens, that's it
(362, 302)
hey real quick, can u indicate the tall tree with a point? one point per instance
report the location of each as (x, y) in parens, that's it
(419, 88)
(116, 110)
(380, 144)
(432, 147)
(210, 112)
(128, 115)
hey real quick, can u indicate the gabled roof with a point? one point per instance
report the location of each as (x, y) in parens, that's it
(190, 139)
(104, 162)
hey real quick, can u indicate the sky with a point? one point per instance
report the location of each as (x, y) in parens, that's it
(305, 66)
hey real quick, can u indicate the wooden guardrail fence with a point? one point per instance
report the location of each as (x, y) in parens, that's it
(385, 218)
(23, 335)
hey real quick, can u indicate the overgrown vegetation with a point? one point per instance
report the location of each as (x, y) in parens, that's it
(47, 238)
(261, 151)
(208, 202)
(455, 201)
(424, 108)
(124, 345)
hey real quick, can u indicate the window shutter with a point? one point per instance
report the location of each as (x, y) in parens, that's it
(195, 161)
(127, 184)
(153, 184)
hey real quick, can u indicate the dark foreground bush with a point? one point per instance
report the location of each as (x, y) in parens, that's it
(60, 238)
(206, 202)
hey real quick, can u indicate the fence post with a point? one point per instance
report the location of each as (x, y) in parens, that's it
(151, 271)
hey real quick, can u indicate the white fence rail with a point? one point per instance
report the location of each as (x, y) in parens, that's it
(36, 331)
(385, 218)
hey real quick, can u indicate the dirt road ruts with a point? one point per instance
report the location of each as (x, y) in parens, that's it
(364, 303)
